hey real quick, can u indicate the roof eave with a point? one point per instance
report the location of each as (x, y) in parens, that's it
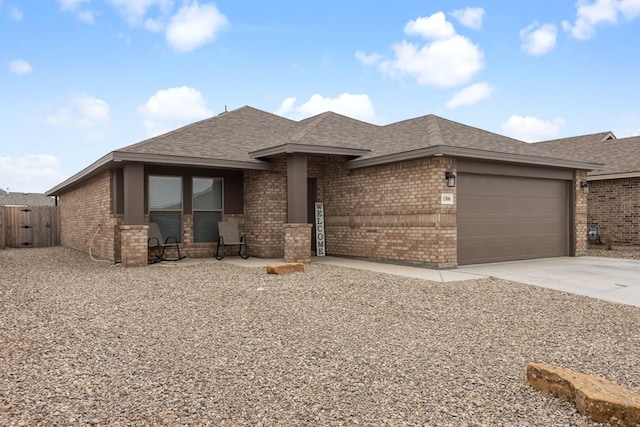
(445, 150)
(116, 157)
(620, 175)
(308, 149)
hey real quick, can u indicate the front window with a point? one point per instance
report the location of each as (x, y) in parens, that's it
(165, 204)
(207, 208)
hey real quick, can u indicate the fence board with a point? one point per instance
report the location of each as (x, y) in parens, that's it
(29, 226)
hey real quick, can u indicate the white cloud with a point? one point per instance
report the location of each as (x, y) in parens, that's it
(171, 108)
(368, 59)
(470, 95)
(286, 107)
(19, 66)
(538, 39)
(16, 14)
(134, 11)
(447, 59)
(84, 112)
(354, 106)
(531, 129)
(76, 6)
(443, 63)
(33, 173)
(194, 26)
(434, 27)
(590, 15)
(470, 17)
(71, 4)
(630, 8)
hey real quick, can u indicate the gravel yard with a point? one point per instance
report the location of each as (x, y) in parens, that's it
(629, 253)
(86, 343)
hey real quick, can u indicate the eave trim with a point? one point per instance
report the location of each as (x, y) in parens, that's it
(308, 149)
(108, 161)
(445, 150)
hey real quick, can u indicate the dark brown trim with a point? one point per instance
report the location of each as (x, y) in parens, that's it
(509, 169)
(308, 149)
(471, 153)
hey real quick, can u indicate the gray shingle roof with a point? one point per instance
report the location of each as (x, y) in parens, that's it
(228, 136)
(242, 138)
(619, 156)
(28, 199)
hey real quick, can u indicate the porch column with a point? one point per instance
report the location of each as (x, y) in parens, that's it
(133, 174)
(297, 188)
(297, 230)
(133, 233)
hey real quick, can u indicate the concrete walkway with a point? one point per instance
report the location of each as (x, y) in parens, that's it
(610, 279)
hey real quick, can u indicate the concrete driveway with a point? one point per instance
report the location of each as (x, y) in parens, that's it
(610, 279)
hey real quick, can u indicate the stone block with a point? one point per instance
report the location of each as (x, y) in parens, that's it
(601, 400)
(285, 268)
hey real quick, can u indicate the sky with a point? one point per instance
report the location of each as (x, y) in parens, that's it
(81, 78)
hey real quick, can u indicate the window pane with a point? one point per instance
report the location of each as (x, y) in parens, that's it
(170, 223)
(165, 192)
(205, 226)
(207, 193)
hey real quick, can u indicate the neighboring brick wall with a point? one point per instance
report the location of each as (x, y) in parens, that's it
(85, 210)
(391, 212)
(134, 245)
(580, 214)
(265, 210)
(614, 207)
(297, 242)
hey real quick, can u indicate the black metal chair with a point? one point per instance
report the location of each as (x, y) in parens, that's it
(160, 244)
(230, 236)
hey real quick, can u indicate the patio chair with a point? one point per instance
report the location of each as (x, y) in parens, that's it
(230, 236)
(159, 243)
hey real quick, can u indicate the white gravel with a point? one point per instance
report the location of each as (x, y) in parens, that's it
(85, 343)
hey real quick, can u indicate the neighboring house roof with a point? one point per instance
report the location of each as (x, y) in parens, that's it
(621, 157)
(25, 199)
(246, 137)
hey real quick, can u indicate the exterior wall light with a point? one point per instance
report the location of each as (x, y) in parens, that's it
(451, 178)
(585, 187)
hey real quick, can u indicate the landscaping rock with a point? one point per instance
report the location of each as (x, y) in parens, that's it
(599, 399)
(285, 268)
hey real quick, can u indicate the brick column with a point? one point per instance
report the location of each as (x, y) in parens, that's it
(297, 243)
(580, 214)
(134, 245)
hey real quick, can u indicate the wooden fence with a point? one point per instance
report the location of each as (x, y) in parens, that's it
(29, 226)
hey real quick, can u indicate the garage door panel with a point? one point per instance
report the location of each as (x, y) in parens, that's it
(509, 218)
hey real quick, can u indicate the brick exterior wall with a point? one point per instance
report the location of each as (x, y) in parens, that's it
(86, 215)
(386, 212)
(580, 214)
(297, 242)
(134, 245)
(614, 207)
(265, 210)
(390, 212)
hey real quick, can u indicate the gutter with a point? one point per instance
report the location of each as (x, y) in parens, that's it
(117, 158)
(445, 150)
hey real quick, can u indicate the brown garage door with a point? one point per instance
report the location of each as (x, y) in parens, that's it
(502, 218)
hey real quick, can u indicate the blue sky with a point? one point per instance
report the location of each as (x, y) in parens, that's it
(80, 78)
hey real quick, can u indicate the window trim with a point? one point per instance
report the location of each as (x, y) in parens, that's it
(194, 209)
(179, 210)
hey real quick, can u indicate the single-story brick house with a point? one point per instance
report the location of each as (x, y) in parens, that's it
(385, 191)
(614, 191)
